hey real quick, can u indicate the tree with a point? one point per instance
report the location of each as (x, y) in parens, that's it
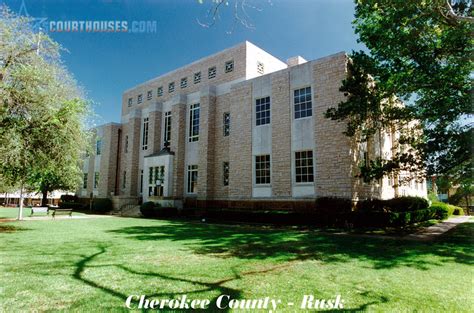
(238, 8)
(415, 81)
(42, 114)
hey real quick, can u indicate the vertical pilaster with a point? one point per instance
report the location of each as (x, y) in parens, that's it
(240, 144)
(178, 143)
(281, 134)
(154, 137)
(206, 141)
(134, 147)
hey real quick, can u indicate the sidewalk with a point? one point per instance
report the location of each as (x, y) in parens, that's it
(50, 218)
(431, 232)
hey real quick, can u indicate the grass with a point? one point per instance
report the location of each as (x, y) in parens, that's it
(93, 265)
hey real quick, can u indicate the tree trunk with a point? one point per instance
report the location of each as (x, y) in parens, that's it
(44, 200)
(20, 208)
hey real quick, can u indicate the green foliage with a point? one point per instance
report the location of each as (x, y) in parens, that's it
(42, 113)
(148, 209)
(400, 204)
(102, 205)
(419, 53)
(433, 197)
(446, 210)
(71, 205)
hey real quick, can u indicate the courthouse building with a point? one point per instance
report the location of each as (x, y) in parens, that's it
(239, 128)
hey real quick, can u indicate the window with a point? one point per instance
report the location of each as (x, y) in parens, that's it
(171, 87)
(156, 177)
(126, 144)
(141, 181)
(229, 66)
(226, 173)
(145, 134)
(303, 105)
(124, 181)
(304, 166)
(194, 122)
(159, 91)
(197, 77)
(98, 146)
(96, 179)
(130, 102)
(149, 95)
(192, 178)
(84, 181)
(262, 169)
(263, 111)
(184, 82)
(260, 68)
(167, 135)
(226, 124)
(139, 98)
(211, 72)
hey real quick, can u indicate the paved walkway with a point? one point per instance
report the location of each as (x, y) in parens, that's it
(59, 217)
(431, 232)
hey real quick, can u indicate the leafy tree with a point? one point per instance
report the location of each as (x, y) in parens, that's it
(42, 113)
(420, 53)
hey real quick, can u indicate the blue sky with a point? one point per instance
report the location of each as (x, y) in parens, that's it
(106, 64)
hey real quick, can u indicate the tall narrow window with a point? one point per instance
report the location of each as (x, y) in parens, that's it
(197, 77)
(229, 66)
(141, 181)
(84, 181)
(260, 68)
(96, 179)
(184, 82)
(126, 144)
(149, 95)
(167, 135)
(226, 124)
(303, 105)
(192, 178)
(124, 180)
(304, 166)
(145, 134)
(171, 87)
(211, 72)
(159, 91)
(263, 111)
(226, 173)
(194, 122)
(130, 102)
(262, 169)
(156, 176)
(139, 98)
(98, 147)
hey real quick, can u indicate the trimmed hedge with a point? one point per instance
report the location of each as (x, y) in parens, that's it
(400, 204)
(69, 198)
(71, 205)
(151, 209)
(102, 205)
(445, 210)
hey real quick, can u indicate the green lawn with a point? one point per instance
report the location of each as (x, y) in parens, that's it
(92, 265)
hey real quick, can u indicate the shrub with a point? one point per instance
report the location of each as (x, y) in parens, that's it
(69, 198)
(102, 205)
(148, 209)
(71, 205)
(400, 204)
(334, 204)
(160, 211)
(441, 210)
(458, 211)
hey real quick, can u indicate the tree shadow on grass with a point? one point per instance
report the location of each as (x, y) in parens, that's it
(258, 243)
(202, 287)
(11, 228)
(217, 286)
